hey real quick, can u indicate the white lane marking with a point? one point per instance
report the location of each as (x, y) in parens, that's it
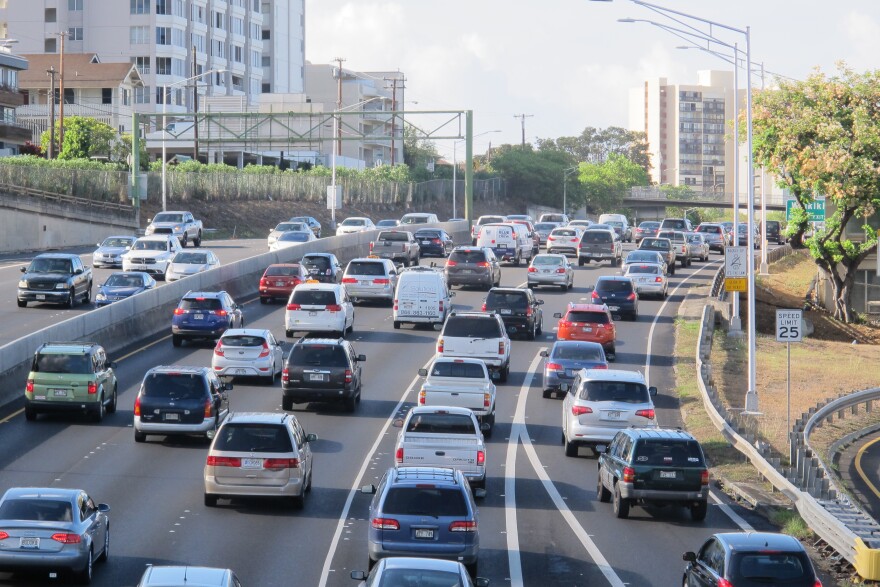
(340, 525)
(519, 432)
(735, 517)
(657, 317)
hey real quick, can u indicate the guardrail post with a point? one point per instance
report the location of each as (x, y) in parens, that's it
(868, 405)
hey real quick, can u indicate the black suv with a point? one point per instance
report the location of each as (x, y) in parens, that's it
(473, 266)
(619, 294)
(519, 310)
(773, 232)
(654, 466)
(322, 267)
(322, 370)
(57, 278)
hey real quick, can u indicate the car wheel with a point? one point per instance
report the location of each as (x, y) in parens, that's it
(505, 373)
(22, 303)
(30, 414)
(672, 270)
(547, 393)
(183, 240)
(288, 333)
(580, 262)
(602, 494)
(198, 240)
(287, 403)
(621, 506)
(105, 554)
(540, 329)
(531, 334)
(139, 436)
(264, 300)
(84, 577)
(210, 500)
(350, 403)
(370, 564)
(397, 325)
(71, 298)
(698, 511)
(98, 415)
(111, 407)
(571, 449)
(298, 502)
(88, 296)
(472, 569)
(176, 340)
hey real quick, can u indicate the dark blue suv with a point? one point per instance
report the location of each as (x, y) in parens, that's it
(426, 512)
(204, 314)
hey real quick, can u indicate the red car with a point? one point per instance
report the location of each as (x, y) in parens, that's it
(279, 280)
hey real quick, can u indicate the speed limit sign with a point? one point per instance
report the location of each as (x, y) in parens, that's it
(788, 325)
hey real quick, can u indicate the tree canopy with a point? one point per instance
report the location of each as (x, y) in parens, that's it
(821, 136)
(596, 145)
(607, 182)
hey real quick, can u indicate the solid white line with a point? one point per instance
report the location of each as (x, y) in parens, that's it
(355, 488)
(735, 517)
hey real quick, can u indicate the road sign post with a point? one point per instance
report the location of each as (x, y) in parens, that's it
(736, 268)
(788, 330)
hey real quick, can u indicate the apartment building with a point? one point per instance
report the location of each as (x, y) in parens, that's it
(284, 46)
(12, 134)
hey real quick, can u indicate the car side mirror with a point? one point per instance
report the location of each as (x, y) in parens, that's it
(227, 386)
(601, 449)
(149, 220)
(97, 244)
(481, 582)
(423, 372)
(690, 557)
(368, 489)
(358, 575)
(103, 508)
(480, 493)
(539, 302)
(544, 353)
(653, 391)
(111, 364)
(77, 272)
(397, 422)
(362, 358)
(452, 294)
(311, 437)
(24, 269)
(557, 315)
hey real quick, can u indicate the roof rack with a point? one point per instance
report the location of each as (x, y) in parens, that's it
(438, 473)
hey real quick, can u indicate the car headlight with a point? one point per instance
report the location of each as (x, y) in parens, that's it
(149, 230)
(60, 286)
(177, 228)
(100, 297)
(23, 283)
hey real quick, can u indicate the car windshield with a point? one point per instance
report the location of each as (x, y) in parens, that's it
(304, 219)
(645, 269)
(246, 340)
(472, 327)
(419, 578)
(547, 260)
(425, 501)
(313, 297)
(191, 258)
(393, 236)
(695, 238)
(241, 437)
(52, 363)
(294, 236)
(437, 423)
(596, 236)
(122, 280)
(504, 299)
(36, 510)
(468, 256)
(578, 352)
(288, 226)
(161, 245)
(209, 304)
(587, 317)
(50, 266)
(117, 242)
(670, 452)
(616, 391)
(168, 217)
(772, 568)
(365, 268)
(177, 386)
(318, 355)
(353, 222)
(456, 369)
(614, 285)
(287, 270)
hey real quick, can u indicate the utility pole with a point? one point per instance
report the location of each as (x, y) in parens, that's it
(63, 35)
(339, 61)
(195, 107)
(522, 118)
(51, 73)
(394, 81)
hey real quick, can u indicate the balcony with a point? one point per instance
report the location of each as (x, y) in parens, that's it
(10, 96)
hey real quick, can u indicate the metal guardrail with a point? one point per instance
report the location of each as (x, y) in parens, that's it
(103, 206)
(831, 520)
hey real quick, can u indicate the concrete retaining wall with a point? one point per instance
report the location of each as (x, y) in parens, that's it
(124, 323)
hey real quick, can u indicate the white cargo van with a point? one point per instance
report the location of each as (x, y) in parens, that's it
(422, 297)
(510, 242)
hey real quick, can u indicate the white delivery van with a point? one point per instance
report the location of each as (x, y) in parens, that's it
(510, 242)
(422, 297)
(603, 218)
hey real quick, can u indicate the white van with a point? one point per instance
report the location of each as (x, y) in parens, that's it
(510, 242)
(419, 218)
(603, 218)
(422, 297)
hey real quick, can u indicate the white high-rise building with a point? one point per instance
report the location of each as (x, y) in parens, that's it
(284, 46)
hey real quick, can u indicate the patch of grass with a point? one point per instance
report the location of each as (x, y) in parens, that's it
(790, 522)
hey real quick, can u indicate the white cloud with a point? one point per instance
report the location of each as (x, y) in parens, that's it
(863, 32)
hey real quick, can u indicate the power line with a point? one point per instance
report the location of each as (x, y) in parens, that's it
(522, 118)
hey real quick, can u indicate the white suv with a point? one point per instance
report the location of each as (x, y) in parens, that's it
(476, 335)
(319, 307)
(151, 254)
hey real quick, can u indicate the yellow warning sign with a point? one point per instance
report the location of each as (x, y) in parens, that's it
(736, 283)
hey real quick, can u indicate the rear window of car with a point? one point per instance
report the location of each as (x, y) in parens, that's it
(427, 234)
(710, 229)
(243, 340)
(649, 225)
(496, 299)
(288, 271)
(319, 262)
(615, 391)
(770, 567)
(674, 223)
(652, 243)
(441, 424)
(547, 260)
(365, 268)
(545, 226)
(393, 236)
(51, 363)
(564, 232)
(671, 235)
(578, 353)
(318, 355)
(425, 501)
(637, 257)
(669, 452)
(644, 269)
(174, 386)
(314, 297)
(614, 285)
(468, 256)
(200, 304)
(472, 327)
(552, 218)
(254, 438)
(596, 236)
(588, 317)
(34, 510)
(489, 220)
(452, 369)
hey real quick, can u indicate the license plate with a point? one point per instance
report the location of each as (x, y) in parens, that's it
(313, 313)
(612, 415)
(613, 308)
(41, 296)
(545, 271)
(465, 271)
(426, 242)
(59, 392)
(240, 371)
(251, 463)
(667, 474)
(365, 283)
(423, 533)
(198, 316)
(29, 542)
(643, 280)
(279, 284)
(505, 311)
(172, 417)
(502, 246)
(316, 377)
(587, 329)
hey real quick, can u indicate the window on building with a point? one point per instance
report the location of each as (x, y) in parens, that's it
(266, 8)
(219, 20)
(267, 88)
(163, 65)
(238, 54)
(237, 25)
(160, 95)
(126, 97)
(198, 41)
(69, 98)
(140, 6)
(50, 15)
(139, 35)
(178, 67)
(142, 63)
(237, 83)
(266, 61)
(266, 35)
(218, 48)
(163, 35)
(75, 33)
(256, 5)
(106, 95)
(75, 5)
(255, 31)
(199, 14)
(178, 38)
(50, 45)
(218, 78)
(163, 7)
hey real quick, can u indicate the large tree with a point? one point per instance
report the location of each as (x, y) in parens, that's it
(84, 137)
(596, 145)
(606, 183)
(821, 136)
(536, 176)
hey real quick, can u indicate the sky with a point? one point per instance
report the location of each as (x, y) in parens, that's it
(568, 64)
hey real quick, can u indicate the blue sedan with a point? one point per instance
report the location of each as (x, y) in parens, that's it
(121, 285)
(566, 358)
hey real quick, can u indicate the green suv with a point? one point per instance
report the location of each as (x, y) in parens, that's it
(70, 377)
(654, 466)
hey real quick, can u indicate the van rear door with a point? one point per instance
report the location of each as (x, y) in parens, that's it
(418, 296)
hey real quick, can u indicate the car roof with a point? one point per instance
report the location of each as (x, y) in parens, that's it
(508, 290)
(284, 265)
(413, 475)
(204, 294)
(119, 236)
(56, 256)
(751, 541)
(659, 433)
(172, 576)
(328, 255)
(319, 286)
(440, 410)
(619, 375)
(370, 260)
(473, 314)
(458, 360)
(427, 564)
(41, 492)
(555, 255)
(574, 307)
(613, 278)
(468, 248)
(256, 418)
(320, 340)
(157, 237)
(66, 347)
(179, 369)
(264, 332)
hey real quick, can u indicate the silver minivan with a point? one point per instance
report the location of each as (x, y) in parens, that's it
(599, 402)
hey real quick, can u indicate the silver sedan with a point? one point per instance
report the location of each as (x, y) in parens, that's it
(648, 279)
(51, 528)
(550, 269)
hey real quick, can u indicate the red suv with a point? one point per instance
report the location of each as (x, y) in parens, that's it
(588, 322)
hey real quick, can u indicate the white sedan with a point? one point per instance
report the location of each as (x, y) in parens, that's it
(648, 279)
(355, 224)
(187, 263)
(248, 352)
(283, 227)
(294, 237)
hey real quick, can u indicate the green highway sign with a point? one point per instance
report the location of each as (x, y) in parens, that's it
(815, 209)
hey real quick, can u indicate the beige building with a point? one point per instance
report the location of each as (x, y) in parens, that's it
(13, 135)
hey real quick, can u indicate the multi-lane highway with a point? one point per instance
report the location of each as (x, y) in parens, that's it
(860, 470)
(540, 524)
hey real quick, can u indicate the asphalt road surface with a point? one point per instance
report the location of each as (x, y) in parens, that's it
(860, 470)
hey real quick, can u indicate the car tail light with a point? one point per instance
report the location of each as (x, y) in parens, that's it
(487, 399)
(381, 281)
(179, 311)
(483, 307)
(398, 456)
(581, 410)
(724, 583)
(371, 246)
(29, 386)
(649, 414)
(209, 408)
(93, 387)
(67, 538)
(137, 406)
(629, 474)
(4, 535)
(501, 347)
(463, 526)
(595, 295)
(441, 306)
(658, 280)
(451, 263)
(264, 282)
(220, 312)
(395, 303)
(551, 238)
(564, 324)
(334, 308)
(349, 280)
(555, 367)
(213, 461)
(529, 311)
(439, 345)
(704, 477)
(482, 264)
(600, 366)
(279, 464)
(423, 396)
(560, 270)
(384, 524)
(264, 352)
(348, 375)
(818, 583)
(532, 270)
(481, 457)
(631, 296)
(574, 240)
(436, 241)
(218, 350)
(285, 375)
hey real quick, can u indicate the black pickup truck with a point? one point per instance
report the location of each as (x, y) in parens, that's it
(56, 278)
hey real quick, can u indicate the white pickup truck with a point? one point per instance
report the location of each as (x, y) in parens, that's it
(434, 436)
(463, 383)
(180, 224)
